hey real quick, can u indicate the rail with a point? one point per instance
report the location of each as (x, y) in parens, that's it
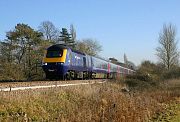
(47, 86)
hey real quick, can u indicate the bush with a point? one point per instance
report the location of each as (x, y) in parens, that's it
(140, 81)
(139, 76)
(171, 74)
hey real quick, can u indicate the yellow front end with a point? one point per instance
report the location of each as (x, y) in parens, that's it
(61, 59)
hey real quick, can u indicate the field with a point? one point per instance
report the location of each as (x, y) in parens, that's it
(108, 102)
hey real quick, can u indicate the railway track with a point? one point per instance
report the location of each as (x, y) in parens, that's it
(14, 86)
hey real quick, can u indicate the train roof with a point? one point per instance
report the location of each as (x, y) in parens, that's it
(78, 52)
(100, 58)
(57, 46)
(63, 46)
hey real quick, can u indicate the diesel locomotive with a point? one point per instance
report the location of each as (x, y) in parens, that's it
(62, 62)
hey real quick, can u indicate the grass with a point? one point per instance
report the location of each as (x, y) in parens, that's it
(171, 113)
(176, 117)
(98, 102)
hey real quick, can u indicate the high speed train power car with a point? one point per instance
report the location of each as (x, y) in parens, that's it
(62, 62)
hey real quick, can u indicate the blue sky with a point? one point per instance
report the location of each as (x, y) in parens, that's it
(120, 26)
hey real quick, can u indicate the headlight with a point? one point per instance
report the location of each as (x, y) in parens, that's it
(44, 63)
(60, 63)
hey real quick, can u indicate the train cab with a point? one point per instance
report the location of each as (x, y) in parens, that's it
(55, 61)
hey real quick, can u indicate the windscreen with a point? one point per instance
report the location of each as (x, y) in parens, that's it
(54, 53)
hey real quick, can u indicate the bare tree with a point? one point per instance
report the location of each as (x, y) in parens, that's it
(49, 30)
(89, 46)
(167, 51)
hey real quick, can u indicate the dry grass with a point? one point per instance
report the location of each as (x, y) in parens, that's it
(98, 102)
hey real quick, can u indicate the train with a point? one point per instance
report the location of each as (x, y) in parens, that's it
(62, 62)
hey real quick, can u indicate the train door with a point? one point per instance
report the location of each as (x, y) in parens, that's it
(84, 62)
(88, 61)
(108, 74)
(70, 58)
(85, 75)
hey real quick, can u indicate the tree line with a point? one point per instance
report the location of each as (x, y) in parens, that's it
(22, 50)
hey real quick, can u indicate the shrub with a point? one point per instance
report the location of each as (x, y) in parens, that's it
(139, 76)
(171, 74)
(140, 81)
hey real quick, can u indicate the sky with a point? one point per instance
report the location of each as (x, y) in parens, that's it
(128, 27)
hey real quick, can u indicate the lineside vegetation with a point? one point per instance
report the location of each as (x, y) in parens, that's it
(100, 102)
